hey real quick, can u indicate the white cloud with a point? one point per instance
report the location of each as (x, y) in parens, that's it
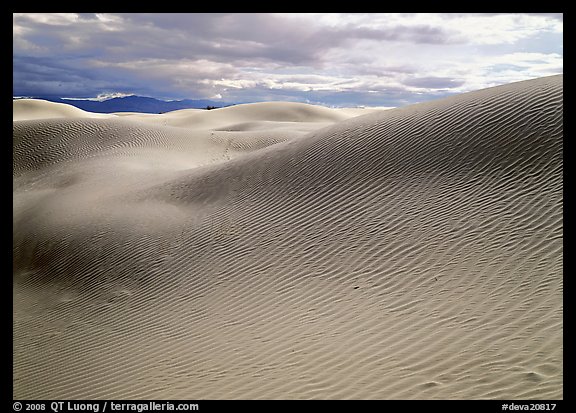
(110, 95)
(506, 28)
(52, 19)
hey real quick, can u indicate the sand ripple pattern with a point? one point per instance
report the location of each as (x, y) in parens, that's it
(414, 253)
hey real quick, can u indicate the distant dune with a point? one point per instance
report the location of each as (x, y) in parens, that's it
(288, 251)
(28, 109)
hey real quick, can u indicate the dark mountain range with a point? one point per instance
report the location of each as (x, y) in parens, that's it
(136, 104)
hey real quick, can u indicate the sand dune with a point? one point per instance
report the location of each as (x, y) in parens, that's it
(254, 116)
(413, 253)
(27, 109)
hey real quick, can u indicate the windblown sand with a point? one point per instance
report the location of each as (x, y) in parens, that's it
(283, 250)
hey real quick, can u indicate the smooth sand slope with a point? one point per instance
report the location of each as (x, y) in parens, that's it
(288, 251)
(27, 109)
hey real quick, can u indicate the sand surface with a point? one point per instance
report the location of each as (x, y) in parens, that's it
(283, 250)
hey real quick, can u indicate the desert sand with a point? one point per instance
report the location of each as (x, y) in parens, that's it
(288, 251)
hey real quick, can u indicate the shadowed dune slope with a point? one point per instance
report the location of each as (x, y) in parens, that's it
(413, 253)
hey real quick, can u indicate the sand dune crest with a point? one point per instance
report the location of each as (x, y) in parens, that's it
(28, 109)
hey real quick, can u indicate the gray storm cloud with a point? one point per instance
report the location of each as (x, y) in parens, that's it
(334, 59)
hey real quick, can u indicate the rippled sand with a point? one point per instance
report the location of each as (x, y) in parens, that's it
(283, 250)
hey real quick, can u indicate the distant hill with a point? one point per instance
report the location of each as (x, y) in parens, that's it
(140, 104)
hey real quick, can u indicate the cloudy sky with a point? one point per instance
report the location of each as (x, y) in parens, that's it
(330, 59)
